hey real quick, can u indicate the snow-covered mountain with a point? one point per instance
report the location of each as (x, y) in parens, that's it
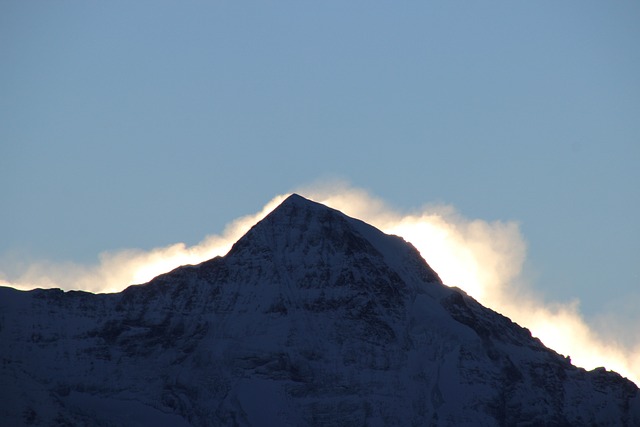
(312, 318)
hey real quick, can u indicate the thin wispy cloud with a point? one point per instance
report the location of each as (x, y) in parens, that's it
(483, 258)
(117, 270)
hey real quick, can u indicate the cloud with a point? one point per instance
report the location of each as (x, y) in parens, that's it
(486, 260)
(483, 258)
(117, 270)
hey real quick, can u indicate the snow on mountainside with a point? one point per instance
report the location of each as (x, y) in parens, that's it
(312, 318)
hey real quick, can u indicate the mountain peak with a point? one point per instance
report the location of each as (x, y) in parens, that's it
(296, 204)
(295, 198)
(300, 230)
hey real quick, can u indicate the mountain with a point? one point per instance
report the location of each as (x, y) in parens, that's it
(312, 318)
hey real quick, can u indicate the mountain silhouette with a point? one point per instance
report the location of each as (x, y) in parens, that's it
(312, 318)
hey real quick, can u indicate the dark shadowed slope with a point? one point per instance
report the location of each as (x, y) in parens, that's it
(313, 318)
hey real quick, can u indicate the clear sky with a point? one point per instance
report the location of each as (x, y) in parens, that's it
(141, 124)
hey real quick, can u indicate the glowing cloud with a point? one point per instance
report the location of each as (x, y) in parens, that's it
(486, 259)
(483, 258)
(117, 270)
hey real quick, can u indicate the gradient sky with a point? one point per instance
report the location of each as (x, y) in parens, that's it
(142, 124)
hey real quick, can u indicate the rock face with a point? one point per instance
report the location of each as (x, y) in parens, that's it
(312, 318)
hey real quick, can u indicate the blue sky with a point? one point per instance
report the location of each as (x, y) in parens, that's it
(141, 124)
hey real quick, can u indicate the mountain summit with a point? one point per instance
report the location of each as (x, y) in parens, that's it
(312, 318)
